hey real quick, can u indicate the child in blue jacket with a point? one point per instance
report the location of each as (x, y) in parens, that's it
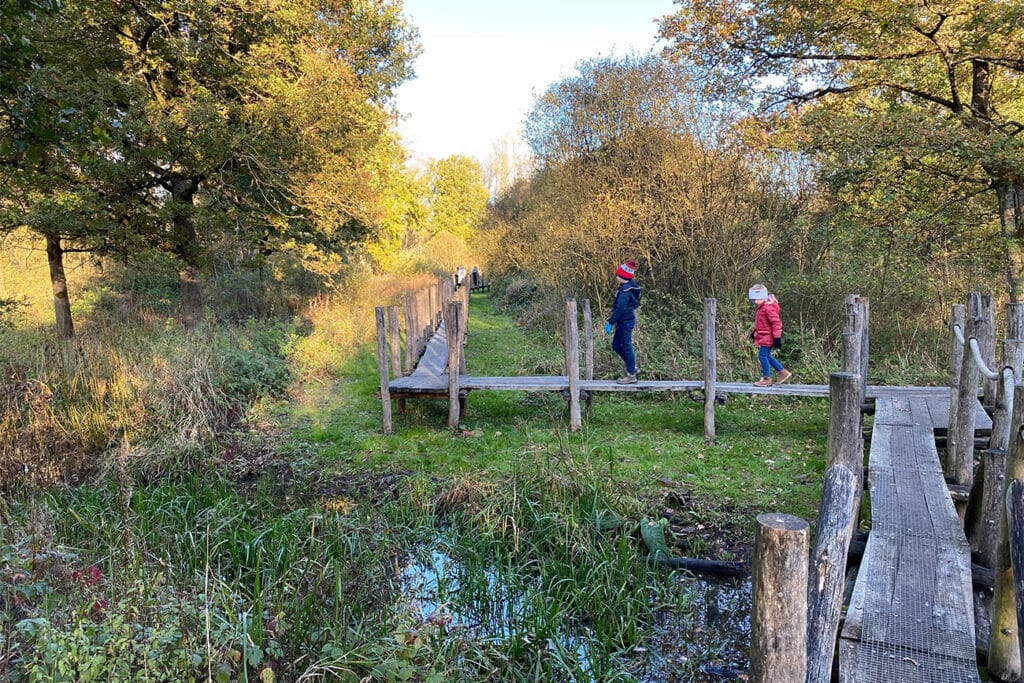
(623, 319)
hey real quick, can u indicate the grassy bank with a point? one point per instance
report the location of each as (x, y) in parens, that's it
(310, 546)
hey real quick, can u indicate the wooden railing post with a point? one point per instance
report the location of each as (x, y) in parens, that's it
(463, 327)
(987, 343)
(382, 365)
(1013, 358)
(778, 621)
(960, 443)
(826, 577)
(1015, 523)
(1004, 647)
(572, 364)
(452, 320)
(855, 351)
(588, 351)
(956, 360)
(395, 341)
(845, 438)
(851, 342)
(410, 333)
(710, 367)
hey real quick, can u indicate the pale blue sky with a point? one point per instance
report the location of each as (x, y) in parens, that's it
(483, 61)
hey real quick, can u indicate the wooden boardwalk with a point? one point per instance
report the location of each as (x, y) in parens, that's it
(911, 616)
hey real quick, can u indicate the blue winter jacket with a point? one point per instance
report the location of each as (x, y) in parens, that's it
(627, 299)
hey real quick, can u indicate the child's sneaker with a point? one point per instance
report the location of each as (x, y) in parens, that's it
(763, 382)
(628, 379)
(784, 375)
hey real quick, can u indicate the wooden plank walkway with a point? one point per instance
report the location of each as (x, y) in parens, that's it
(430, 378)
(911, 616)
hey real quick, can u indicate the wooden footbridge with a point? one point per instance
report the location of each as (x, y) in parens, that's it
(911, 614)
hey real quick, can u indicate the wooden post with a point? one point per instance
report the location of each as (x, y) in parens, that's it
(1013, 358)
(410, 333)
(826, 579)
(1004, 647)
(984, 531)
(1015, 521)
(588, 350)
(845, 439)
(987, 345)
(382, 366)
(395, 341)
(572, 364)
(463, 327)
(452, 320)
(710, 367)
(778, 621)
(861, 318)
(961, 427)
(851, 338)
(865, 344)
(956, 360)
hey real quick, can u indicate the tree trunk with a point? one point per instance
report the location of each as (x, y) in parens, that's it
(1011, 219)
(59, 282)
(187, 249)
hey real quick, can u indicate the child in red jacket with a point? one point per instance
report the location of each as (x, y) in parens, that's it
(767, 335)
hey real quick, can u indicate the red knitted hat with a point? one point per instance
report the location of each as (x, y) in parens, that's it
(626, 270)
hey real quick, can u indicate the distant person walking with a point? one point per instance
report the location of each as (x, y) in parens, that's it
(767, 335)
(623, 319)
(474, 277)
(460, 276)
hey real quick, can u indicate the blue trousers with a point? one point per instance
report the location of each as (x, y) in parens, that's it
(768, 361)
(622, 344)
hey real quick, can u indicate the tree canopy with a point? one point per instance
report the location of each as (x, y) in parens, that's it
(198, 121)
(937, 84)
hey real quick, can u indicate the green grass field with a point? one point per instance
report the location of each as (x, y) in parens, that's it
(311, 545)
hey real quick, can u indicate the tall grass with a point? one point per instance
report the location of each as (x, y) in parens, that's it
(182, 580)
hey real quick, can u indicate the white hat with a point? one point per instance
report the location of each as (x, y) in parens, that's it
(757, 293)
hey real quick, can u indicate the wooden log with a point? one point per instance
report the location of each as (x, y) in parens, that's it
(453, 318)
(862, 318)
(984, 534)
(698, 566)
(827, 573)
(1013, 358)
(588, 351)
(1004, 651)
(987, 344)
(395, 341)
(710, 367)
(572, 363)
(778, 621)
(382, 366)
(853, 337)
(1015, 524)
(410, 333)
(956, 359)
(463, 327)
(845, 440)
(960, 450)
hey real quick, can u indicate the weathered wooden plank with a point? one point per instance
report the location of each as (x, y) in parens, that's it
(435, 356)
(910, 616)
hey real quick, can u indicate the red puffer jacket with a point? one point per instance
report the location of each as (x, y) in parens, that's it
(767, 323)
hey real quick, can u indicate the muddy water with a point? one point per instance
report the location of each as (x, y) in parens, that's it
(704, 643)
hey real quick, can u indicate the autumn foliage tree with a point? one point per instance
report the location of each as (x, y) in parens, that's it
(183, 124)
(937, 87)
